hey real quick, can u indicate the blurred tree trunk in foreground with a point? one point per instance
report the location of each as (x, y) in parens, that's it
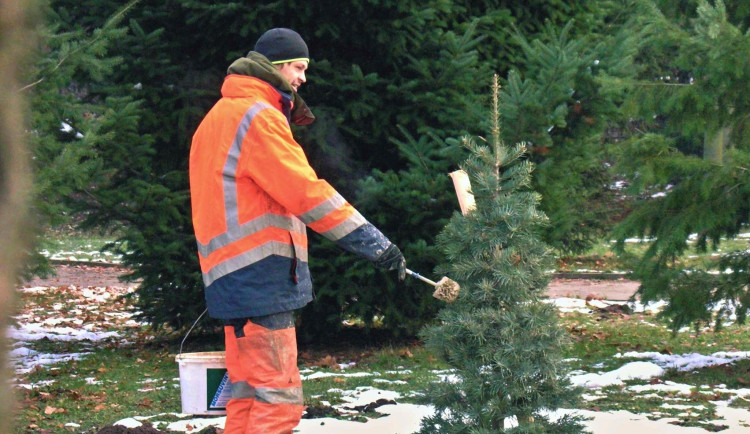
(14, 179)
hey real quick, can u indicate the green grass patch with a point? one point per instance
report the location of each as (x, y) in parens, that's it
(405, 370)
(79, 246)
(107, 385)
(602, 258)
(117, 381)
(694, 409)
(740, 402)
(599, 336)
(734, 376)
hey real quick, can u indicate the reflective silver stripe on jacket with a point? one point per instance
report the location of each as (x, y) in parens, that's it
(257, 224)
(346, 227)
(342, 229)
(268, 395)
(230, 166)
(252, 256)
(322, 210)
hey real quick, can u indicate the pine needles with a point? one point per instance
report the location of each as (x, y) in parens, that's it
(502, 340)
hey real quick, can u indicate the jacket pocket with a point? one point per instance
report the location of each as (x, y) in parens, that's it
(293, 270)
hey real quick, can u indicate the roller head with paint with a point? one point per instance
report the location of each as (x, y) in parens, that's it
(445, 289)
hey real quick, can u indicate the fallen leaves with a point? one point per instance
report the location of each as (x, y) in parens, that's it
(52, 410)
(582, 332)
(95, 397)
(328, 361)
(405, 353)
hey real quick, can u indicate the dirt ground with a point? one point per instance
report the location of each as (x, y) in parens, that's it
(83, 275)
(95, 275)
(605, 289)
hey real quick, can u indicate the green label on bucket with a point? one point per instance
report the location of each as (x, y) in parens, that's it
(218, 389)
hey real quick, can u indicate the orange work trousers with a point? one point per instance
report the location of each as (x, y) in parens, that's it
(266, 385)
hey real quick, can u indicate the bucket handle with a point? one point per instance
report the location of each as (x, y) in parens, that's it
(191, 329)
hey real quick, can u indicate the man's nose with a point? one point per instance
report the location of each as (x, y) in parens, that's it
(303, 78)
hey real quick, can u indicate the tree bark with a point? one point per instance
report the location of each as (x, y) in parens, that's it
(714, 144)
(14, 179)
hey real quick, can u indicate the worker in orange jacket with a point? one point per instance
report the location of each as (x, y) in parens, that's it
(253, 195)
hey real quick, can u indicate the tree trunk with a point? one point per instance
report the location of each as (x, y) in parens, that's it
(714, 143)
(14, 179)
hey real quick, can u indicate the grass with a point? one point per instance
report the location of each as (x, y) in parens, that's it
(118, 379)
(693, 410)
(75, 245)
(99, 389)
(600, 257)
(402, 369)
(596, 337)
(734, 376)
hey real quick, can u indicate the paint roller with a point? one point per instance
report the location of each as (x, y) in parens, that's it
(445, 288)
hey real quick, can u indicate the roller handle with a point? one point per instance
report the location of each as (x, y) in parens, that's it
(420, 277)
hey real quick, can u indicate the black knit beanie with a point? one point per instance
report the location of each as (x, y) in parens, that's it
(282, 45)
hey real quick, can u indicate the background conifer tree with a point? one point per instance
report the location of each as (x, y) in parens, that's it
(411, 205)
(70, 124)
(387, 79)
(554, 99)
(689, 163)
(503, 341)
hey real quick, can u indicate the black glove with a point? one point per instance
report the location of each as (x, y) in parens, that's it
(392, 259)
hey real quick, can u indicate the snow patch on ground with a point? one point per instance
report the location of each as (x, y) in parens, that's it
(25, 360)
(630, 371)
(688, 362)
(401, 418)
(35, 332)
(566, 304)
(338, 374)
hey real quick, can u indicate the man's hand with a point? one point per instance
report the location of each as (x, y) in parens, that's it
(392, 259)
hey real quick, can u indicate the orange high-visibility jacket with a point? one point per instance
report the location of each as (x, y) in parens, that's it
(253, 193)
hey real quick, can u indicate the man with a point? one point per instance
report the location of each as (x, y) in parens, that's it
(253, 194)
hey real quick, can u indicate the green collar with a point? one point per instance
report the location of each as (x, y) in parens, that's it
(258, 66)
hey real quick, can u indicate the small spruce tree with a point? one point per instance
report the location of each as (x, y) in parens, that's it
(503, 341)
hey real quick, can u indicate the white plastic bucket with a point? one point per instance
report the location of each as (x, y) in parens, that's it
(204, 384)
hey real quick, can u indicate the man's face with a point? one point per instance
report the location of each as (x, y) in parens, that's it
(294, 72)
